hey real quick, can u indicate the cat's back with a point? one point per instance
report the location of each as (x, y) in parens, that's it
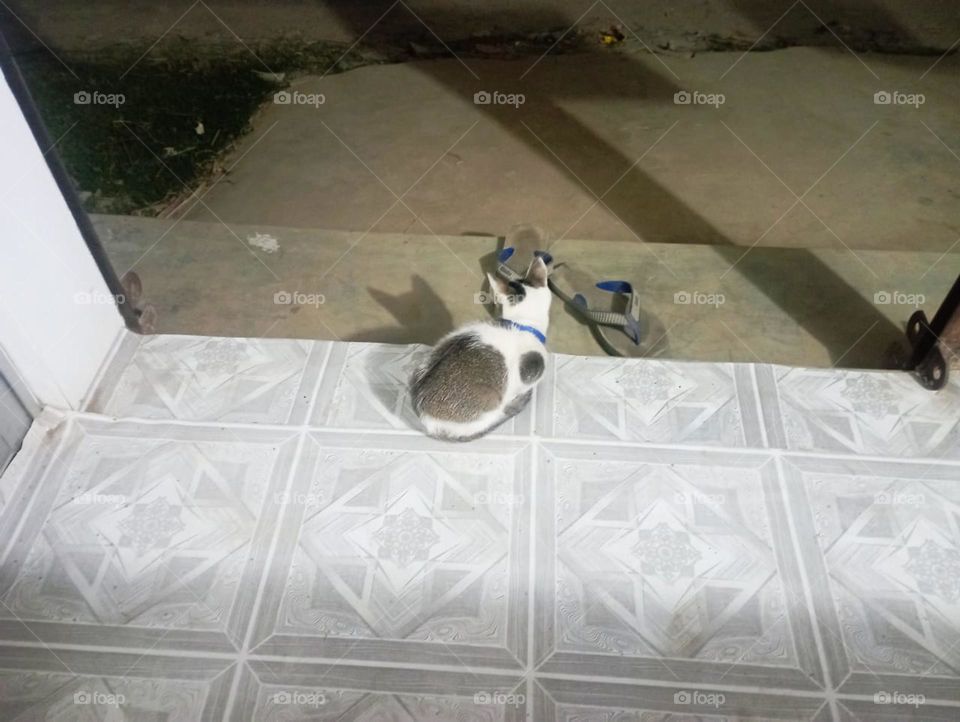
(465, 377)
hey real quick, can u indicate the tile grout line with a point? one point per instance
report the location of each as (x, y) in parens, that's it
(829, 689)
(750, 451)
(242, 654)
(324, 367)
(302, 434)
(117, 649)
(532, 575)
(374, 663)
(739, 688)
(233, 656)
(700, 685)
(758, 403)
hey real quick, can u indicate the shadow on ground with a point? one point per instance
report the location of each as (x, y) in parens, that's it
(648, 209)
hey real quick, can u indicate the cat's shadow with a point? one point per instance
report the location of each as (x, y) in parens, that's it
(422, 318)
(421, 315)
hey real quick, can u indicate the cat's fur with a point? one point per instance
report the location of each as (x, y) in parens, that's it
(483, 373)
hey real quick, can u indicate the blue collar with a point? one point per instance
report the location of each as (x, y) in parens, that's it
(523, 327)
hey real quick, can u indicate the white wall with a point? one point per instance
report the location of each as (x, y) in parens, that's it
(57, 320)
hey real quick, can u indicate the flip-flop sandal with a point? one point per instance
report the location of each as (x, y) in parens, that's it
(643, 336)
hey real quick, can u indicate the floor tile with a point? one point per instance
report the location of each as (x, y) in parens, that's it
(196, 378)
(885, 572)
(148, 526)
(69, 685)
(668, 564)
(366, 386)
(723, 533)
(860, 412)
(402, 548)
(653, 401)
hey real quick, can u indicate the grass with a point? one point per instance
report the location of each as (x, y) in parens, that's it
(175, 119)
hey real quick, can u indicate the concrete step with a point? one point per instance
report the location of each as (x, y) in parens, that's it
(816, 307)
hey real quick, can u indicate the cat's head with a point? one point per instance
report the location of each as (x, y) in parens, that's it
(526, 301)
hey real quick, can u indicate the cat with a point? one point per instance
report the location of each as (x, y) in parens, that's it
(483, 373)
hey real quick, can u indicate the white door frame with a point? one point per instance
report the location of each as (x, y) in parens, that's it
(59, 319)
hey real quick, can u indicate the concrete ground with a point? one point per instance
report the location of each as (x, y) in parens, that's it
(791, 306)
(800, 122)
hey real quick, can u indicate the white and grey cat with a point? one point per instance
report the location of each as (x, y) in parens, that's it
(483, 373)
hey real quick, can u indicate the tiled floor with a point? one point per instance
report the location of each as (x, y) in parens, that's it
(251, 530)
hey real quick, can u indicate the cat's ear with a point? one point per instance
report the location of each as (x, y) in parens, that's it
(537, 273)
(501, 289)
